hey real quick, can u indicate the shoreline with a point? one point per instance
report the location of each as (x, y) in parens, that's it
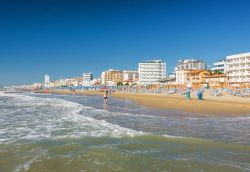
(215, 106)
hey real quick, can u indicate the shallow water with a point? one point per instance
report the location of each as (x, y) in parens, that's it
(79, 133)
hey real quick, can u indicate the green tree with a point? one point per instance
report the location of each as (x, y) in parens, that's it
(134, 84)
(127, 84)
(119, 84)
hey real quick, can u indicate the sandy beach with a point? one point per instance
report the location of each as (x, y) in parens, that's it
(225, 105)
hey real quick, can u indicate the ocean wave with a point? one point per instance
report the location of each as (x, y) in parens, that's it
(35, 118)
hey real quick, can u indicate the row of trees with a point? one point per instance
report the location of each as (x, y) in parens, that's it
(119, 84)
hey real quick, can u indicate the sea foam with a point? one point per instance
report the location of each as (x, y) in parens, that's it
(34, 118)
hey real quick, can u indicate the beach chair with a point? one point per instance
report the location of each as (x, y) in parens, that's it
(237, 93)
(245, 95)
(219, 93)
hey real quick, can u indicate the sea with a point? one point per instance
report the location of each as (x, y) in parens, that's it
(78, 133)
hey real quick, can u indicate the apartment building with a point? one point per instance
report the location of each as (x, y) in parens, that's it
(191, 77)
(217, 80)
(191, 64)
(151, 72)
(219, 67)
(87, 76)
(238, 68)
(197, 76)
(46, 81)
(130, 76)
(111, 76)
(181, 77)
(74, 82)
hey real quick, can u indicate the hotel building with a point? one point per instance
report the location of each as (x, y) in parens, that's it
(151, 72)
(238, 68)
(87, 76)
(217, 80)
(181, 77)
(111, 77)
(219, 67)
(87, 79)
(72, 82)
(185, 67)
(191, 77)
(197, 77)
(130, 76)
(191, 64)
(46, 81)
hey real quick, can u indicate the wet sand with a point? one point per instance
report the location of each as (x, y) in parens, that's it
(220, 106)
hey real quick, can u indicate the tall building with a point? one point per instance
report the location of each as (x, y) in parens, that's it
(219, 67)
(150, 72)
(191, 64)
(46, 79)
(130, 75)
(111, 77)
(87, 76)
(238, 68)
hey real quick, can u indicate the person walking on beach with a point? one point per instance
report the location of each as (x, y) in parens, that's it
(105, 96)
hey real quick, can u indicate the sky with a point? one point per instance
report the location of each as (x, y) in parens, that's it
(65, 38)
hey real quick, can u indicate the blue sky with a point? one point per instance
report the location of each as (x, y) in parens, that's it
(67, 38)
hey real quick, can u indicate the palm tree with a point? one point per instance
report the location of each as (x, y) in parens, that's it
(127, 84)
(134, 84)
(119, 84)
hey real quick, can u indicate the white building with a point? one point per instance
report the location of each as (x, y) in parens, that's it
(238, 68)
(87, 79)
(87, 76)
(130, 75)
(181, 77)
(150, 72)
(220, 66)
(72, 82)
(191, 64)
(63, 82)
(46, 81)
(103, 78)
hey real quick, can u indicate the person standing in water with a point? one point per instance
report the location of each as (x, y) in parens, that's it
(105, 96)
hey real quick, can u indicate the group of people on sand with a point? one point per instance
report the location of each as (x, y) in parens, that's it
(105, 95)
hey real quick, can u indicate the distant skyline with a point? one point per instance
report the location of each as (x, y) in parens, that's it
(67, 38)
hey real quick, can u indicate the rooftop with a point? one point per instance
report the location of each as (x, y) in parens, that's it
(154, 61)
(196, 71)
(189, 60)
(239, 55)
(216, 76)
